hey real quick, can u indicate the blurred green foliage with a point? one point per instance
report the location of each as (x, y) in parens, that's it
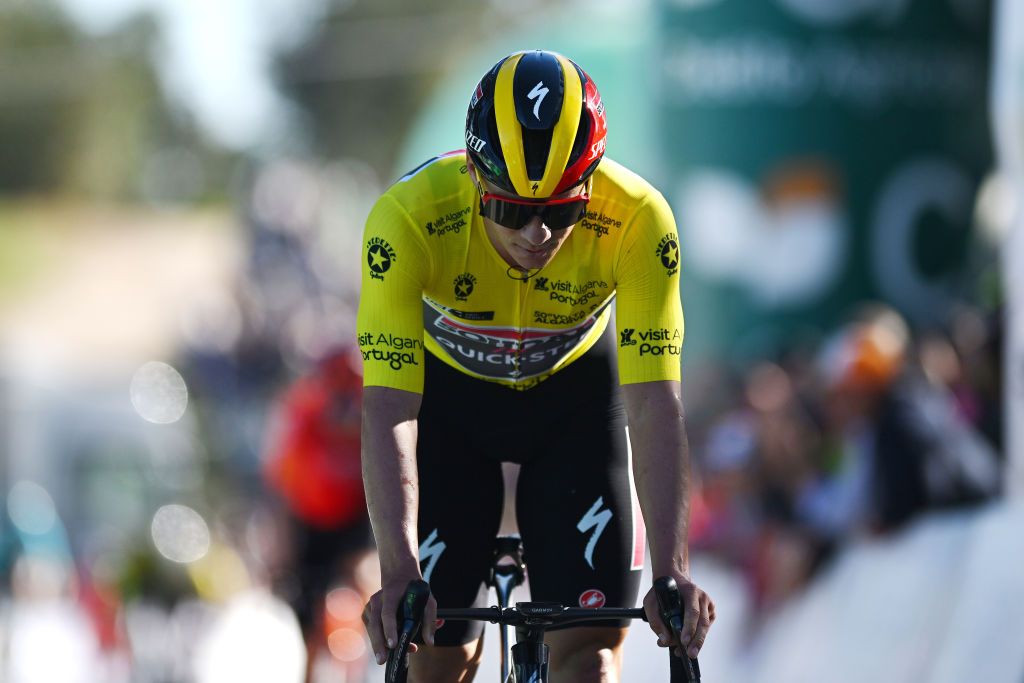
(363, 76)
(81, 114)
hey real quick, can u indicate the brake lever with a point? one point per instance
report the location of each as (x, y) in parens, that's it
(671, 608)
(410, 621)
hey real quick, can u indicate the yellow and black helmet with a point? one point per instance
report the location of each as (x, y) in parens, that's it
(536, 124)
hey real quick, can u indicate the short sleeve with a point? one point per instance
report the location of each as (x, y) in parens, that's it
(649, 313)
(395, 267)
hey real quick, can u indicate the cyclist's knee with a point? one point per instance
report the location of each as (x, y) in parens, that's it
(587, 655)
(458, 663)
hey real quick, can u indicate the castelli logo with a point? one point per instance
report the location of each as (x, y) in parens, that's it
(592, 598)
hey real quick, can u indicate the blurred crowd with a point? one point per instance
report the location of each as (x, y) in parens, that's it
(848, 437)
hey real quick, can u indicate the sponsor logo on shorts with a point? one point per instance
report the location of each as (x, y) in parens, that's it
(379, 257)
(596, 518)
(430, 552)
(592, 599)
(668, 252)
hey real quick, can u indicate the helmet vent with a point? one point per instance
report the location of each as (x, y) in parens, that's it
(536, 144)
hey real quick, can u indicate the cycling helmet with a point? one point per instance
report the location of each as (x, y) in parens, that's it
(536, 124)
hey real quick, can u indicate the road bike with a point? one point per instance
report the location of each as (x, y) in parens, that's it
(529, 661)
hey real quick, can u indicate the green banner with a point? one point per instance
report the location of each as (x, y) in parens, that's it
(820, 152)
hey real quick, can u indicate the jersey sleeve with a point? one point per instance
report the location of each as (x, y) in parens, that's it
(396, 265)
(648, 309)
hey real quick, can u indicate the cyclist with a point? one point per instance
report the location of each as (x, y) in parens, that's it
(484, 323)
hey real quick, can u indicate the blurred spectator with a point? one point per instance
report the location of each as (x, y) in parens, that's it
(313, 464)
(904, 443)
(859, 436)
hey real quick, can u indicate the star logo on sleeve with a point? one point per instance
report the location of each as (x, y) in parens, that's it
(668, 252)
(379, 255)
(378, 259)
(670, 255)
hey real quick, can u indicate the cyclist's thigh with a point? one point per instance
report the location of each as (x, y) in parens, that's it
(461, 497)
(452, 663)
(582, 533)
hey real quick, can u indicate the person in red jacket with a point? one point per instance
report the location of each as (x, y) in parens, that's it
(312, 463)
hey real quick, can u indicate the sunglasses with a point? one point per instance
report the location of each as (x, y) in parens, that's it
(513, 213)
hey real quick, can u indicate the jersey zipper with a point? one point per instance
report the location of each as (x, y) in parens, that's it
(522, 293)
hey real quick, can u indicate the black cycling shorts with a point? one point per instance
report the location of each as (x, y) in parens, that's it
(583, 537)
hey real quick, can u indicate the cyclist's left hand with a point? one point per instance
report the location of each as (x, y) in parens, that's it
(698, 615)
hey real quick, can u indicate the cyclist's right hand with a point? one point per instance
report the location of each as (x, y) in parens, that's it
(381, 622)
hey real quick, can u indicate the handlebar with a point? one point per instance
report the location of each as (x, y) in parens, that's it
(410, 618)
(671, 608)
(543, 614)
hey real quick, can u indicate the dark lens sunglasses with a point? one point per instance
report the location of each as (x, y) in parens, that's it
(513, 213)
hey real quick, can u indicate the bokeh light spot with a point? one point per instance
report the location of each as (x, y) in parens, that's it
(344, 604)
(180, 533)
(158, 393)
(346, 644)
(31, 508)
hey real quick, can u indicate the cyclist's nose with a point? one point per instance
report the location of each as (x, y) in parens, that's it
(535, 232)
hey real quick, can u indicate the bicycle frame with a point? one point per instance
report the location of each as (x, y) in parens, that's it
(504, 577)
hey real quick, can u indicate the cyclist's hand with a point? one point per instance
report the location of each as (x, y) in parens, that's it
(381, 622)
(698, 615)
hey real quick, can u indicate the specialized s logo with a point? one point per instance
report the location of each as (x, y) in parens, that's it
(668, 252)
(379, 255)
(430, 552)
(626, 337)
(539, 92)
(596, 519)
(464, 286)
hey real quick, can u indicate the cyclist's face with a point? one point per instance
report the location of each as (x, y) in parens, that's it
(535, 244)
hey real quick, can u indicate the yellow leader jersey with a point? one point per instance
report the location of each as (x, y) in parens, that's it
(432, 281)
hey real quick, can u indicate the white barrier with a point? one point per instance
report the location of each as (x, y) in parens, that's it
(941, 602)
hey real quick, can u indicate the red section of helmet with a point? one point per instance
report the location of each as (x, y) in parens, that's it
(597, 133)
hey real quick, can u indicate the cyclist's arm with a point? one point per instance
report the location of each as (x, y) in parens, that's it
(650, 326)
(395, 267)
(389, 475)
(661, 461)
(661, 470)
